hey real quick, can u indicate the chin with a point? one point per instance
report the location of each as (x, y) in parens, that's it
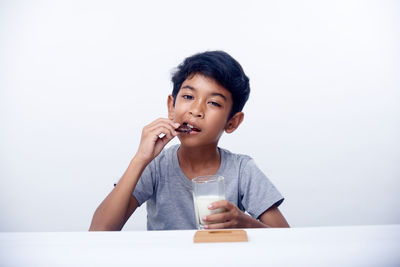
(189, 142)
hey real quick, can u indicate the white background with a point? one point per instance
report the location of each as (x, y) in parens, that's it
(79, 80)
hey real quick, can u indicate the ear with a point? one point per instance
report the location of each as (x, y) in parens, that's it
(234, 122)
(171, 108)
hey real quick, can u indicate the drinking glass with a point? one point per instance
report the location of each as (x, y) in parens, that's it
(207, 189)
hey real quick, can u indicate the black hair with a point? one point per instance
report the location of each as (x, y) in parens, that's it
(221, 67)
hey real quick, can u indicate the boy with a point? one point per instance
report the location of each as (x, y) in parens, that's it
(210, 90)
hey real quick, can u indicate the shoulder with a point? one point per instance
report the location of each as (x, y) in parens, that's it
(244, 164)
(235, 161)
(233, 158)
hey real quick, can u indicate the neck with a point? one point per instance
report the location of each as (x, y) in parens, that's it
(198, 161)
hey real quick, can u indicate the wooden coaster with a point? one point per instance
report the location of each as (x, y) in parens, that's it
(202, 236)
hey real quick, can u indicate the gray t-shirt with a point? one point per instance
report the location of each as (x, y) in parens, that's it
(168, 191)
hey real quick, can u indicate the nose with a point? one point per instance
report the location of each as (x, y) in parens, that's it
(196, 110)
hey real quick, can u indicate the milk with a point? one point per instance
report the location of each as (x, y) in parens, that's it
(201, 204)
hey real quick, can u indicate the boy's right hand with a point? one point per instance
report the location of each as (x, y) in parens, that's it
(151, 144)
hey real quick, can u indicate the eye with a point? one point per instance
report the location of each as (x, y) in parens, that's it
(214, 104)
(188, 97)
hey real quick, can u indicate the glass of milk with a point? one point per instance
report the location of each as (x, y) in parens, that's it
(206, 190)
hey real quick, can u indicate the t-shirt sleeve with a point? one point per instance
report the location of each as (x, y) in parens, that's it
(145, 186)
(256, 191)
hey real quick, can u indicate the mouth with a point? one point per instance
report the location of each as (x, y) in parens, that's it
(187, 128)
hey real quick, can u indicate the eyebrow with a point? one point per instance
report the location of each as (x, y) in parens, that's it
(213, 94)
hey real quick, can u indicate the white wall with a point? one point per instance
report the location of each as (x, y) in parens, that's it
(79, 80)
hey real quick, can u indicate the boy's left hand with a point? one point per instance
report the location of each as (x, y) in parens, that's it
(232, 217)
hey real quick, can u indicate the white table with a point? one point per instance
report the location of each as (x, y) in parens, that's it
(315, 246)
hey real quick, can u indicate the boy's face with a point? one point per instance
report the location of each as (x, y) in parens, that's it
(205, 105)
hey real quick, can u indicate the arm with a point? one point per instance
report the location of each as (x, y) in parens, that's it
(235, 218)
(273, 218)
(119, 205)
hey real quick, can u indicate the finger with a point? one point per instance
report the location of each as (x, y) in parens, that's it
(165, 125)
(165, 138)
(218, 217)
(164, 131)
(225, 204)
(173, 125)
(164, 121)
(161, 142)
